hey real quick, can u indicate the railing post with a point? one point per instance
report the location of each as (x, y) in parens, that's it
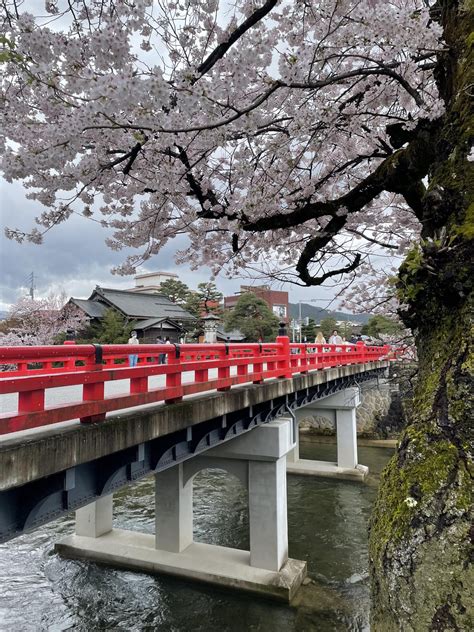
(360, 351)
(139, 384)
(70, 364)
(94, 392)
(257, 367)
(284, 342)
(304, 359)
(223, 372)
(173, 378)
(30, 401)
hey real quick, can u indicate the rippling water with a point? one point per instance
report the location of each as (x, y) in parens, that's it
(327, 527)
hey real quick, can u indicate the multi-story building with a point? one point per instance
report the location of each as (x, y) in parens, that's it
(277, 300)
(150, 282)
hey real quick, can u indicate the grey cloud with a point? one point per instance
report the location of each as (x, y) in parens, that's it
(74, 258)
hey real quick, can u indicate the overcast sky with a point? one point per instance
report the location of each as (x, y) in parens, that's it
(74, 258)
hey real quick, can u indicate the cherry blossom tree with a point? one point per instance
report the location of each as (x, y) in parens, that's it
(41, 321)
(272, 128)
(304, 140)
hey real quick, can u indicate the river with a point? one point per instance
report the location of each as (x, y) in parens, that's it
(327, 527)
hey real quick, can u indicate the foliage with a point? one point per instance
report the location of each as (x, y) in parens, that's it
(113, 328)
(252, 316)
(327, 326)
(380, 324)
(41, 321)
(160, 146)
(210, 298)
(206, 300)
(297, 138)
(308, 332)
(177, 291)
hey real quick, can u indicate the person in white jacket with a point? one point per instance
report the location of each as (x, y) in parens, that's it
(335, 338)
(133, 358)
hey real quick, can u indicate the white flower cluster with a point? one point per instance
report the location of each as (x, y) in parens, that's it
(134, 110)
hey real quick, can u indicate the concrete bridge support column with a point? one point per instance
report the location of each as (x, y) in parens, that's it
(341, 407)
(346, 432)
(95, 519)
(258, 459)
(267, 514)
(174, 510)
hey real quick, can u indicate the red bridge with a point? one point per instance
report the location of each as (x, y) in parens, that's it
(30, 372)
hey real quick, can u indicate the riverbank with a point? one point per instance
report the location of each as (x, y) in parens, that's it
(310, 437)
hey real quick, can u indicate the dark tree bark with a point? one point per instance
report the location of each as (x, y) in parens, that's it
(421, 531)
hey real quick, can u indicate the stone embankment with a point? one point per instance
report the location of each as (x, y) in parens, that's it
(382, 412)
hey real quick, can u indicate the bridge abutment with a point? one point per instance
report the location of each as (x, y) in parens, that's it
(258, 459)
(342, 408)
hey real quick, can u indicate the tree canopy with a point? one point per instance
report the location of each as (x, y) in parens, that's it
(327, 326)
(124, 112)
(41, 321)
(113, 328)
(252, 316)
(177, 291)
(380, 324)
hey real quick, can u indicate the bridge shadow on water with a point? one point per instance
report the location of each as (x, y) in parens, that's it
(327, 527)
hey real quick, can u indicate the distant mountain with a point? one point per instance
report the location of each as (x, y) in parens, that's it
(3, 315)
(318, 313)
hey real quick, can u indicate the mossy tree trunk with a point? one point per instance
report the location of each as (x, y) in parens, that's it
(421, 530)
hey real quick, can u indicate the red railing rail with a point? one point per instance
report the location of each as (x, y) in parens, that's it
(29, 373)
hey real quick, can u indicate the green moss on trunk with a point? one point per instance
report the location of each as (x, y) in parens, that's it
(421, 530)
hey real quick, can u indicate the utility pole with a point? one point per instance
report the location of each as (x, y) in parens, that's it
(31, 279)
(300, 322)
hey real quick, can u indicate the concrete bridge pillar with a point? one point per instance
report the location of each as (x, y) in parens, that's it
(95, 519)
(268, 514)
(341, 407)
(174, 510)
(258, 459)
(346, 431)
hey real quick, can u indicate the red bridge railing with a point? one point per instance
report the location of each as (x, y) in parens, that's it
(29, 374)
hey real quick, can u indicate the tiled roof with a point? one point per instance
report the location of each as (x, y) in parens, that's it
(232, 336)
(138, 305)
(94, 309)
(149, 323)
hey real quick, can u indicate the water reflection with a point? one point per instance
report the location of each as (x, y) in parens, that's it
(327, 527)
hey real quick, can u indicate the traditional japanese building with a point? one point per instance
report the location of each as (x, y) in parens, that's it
(153, 315)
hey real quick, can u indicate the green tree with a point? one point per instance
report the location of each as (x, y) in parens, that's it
(252, 316)
(177, 291)
(381, 325)
(114, 328)
(204, 300)
(328, 325)
(209, 294)
(308, 331)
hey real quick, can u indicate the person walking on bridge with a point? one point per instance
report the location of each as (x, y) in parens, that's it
(161, 356)
(133, 358)
(335, 338)
(320, 339)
